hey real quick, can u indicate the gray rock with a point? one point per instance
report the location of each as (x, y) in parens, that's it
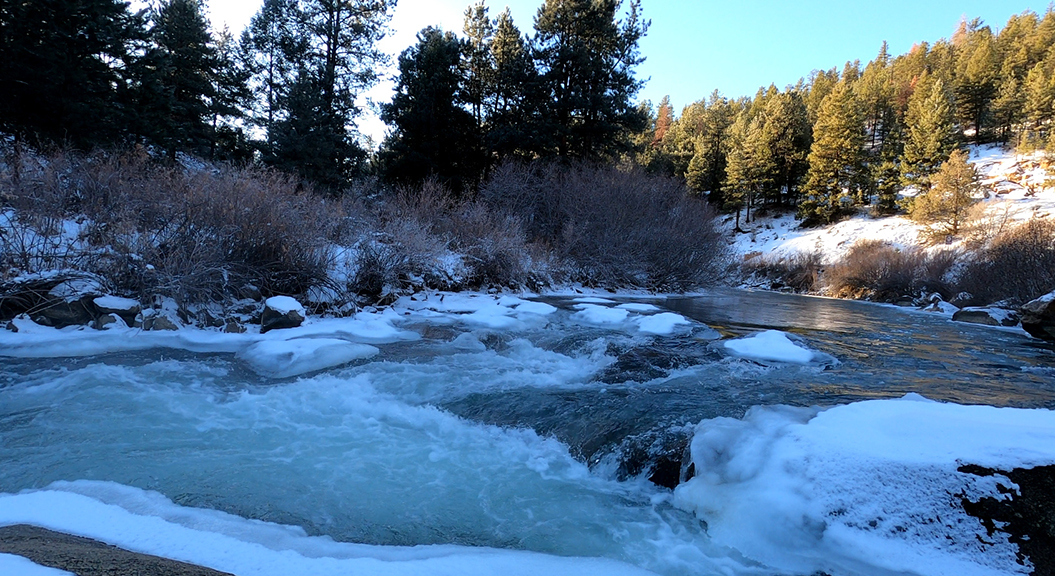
(1038, 317)
(59, 313)
(987, 316)
(233, 327)
(124, 308)
(154, 323)
(281, 313)
(105, 320)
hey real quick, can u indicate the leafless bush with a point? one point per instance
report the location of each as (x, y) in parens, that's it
(615, 226)
(875, 270)
(152, 229)
(1019, 265)
(985, 223)
(800, 272)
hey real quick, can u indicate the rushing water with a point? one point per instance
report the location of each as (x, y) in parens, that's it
(539, 439)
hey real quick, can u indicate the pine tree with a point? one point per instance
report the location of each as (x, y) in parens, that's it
(479, 64)
(273, 46)
(588, 57)
(511, 126)
(751, 166)
(178, 88)
(432, 136)
(788, 135)
(706, 126)
(944, 207)
(977, 83)
(65, 70)
(836, 174)
(931, 134)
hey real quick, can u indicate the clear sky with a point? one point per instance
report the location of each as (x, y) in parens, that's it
(735, 46)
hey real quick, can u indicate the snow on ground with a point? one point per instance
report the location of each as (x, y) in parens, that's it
(1004, 172)
(853, 487)
(11, 565)
(149, 523)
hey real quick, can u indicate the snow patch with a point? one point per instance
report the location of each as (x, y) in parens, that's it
(771, 345)
(12, 565)
(599, 315)
(284, 305)
(660, 324)
(873, 483)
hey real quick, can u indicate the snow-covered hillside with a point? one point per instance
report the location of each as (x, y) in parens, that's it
(1016, 184)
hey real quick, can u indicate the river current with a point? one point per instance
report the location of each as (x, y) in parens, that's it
(559, 437)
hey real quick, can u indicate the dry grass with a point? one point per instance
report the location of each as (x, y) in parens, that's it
(1017, 266)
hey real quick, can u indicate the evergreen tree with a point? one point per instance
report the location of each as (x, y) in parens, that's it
(836, 173)
(177, 89)
(274, 45)
(433, 136)
(751, 167)
(977, 83)
(931, 135)
(512, 122)
(231, 101)
(479, 64)
(820, 85)
(587, 57)
(316, 133)
(944, 207)
(788, 135)
(704, 154)
(64, 70)
(875, 92)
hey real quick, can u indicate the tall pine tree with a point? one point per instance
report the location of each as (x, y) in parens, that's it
(931, 134)
(836, 174)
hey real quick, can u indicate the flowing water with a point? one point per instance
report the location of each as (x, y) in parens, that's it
(542, 438)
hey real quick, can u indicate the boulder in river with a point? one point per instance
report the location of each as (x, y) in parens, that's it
(987, 316)
(281, 312)
(124, 308)
(1038, 317)
(60, 313)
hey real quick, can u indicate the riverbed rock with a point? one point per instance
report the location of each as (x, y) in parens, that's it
(234, 327)
(60, 313)
(987, 316)
(281, 312)
(1026, 513)
(105, 321)
(1038, 317)
(159, 322)
(124, 308)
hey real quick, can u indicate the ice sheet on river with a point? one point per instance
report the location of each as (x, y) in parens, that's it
(149, 523)
(863, 487)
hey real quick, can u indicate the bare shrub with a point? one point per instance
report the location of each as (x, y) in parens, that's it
(614, 226)
(1018, 266)
(153, 229)
(876, 270)
(800, 272)
(985, 223)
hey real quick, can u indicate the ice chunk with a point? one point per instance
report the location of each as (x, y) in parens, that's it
(593, 300)
(771, 345)
(288, 358)
(660, 324)
(638, 307)
(539, 308)
(593, 314)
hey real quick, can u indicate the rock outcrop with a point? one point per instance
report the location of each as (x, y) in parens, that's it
(1038, 317)
(987, 316)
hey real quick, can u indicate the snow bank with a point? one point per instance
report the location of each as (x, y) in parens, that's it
(660, 324)
(11, 565)
(862, 485)
(148, 523)
(600, 315)
(115, 303)
(771, 345)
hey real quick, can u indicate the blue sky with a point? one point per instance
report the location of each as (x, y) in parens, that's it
(735, 46)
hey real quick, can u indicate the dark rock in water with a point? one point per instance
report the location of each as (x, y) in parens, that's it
(105, 320)
(987, 316)
(654, 360)
(1038, 317)
(60, 313)
(663, 455)
(281, 312)
(1027, 516)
